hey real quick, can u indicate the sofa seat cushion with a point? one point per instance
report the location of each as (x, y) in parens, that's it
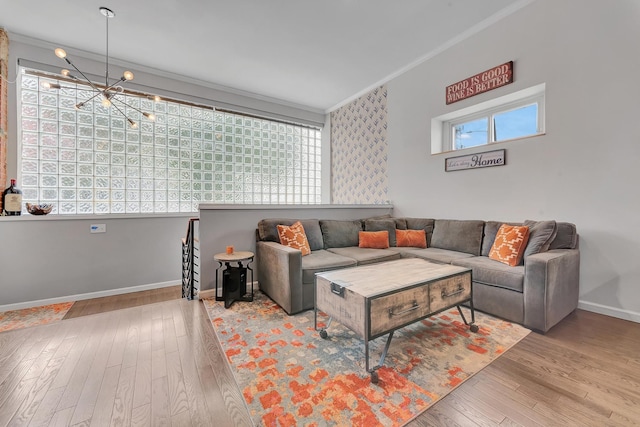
(443, 256)
(322, 260)
(367, 256)
(494, 273)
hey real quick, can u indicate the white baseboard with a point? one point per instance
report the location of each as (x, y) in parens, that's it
(78, 297)
(610, 311)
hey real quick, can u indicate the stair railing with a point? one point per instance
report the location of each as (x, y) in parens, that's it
(190, 260)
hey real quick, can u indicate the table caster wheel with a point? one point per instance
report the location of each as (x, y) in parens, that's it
(474, 328)
(323, 334)
(374, 377)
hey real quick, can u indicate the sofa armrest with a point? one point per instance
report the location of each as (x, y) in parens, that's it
(280, 274)
(551, 287)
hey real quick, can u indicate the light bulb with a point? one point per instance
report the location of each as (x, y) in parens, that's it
(157, 98)
(106, 102)
(128, 75)
(150, 116)
(133, 124)
(49, 85)
(79, 105)
(65, 72)
(60, 53)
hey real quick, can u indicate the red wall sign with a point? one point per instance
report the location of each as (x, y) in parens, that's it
(480, 83)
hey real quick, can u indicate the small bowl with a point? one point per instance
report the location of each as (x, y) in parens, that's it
(41, 209)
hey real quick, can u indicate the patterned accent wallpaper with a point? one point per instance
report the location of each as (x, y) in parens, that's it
(359, 150)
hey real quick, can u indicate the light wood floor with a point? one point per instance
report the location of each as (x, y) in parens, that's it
(159, 363)
(118, 302)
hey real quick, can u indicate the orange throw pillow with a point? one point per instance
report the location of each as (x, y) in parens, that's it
(373, 239)
(411, 238)
(294, 237)
(510, 243)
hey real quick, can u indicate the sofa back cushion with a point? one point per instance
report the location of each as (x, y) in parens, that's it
(458, 235)
(541, 234)
(268, 231)
(388, 225)
(566, 237)
(425, 224)
(340, 234)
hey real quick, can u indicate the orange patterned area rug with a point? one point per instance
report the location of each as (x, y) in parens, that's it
(16, 319)
(289, 376)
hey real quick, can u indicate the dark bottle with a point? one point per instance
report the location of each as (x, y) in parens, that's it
(12, 200)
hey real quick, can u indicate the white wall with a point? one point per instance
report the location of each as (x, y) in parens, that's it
(57, 259)
(584, 170)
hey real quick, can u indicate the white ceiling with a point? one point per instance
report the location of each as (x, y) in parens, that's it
(314, 53)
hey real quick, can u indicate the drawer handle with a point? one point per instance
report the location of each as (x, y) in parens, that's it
(458, 291)
(414, 307)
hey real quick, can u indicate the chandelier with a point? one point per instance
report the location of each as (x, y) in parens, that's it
(110, 91)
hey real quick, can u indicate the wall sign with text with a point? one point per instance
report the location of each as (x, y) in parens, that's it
(480, 83)
(475, 161)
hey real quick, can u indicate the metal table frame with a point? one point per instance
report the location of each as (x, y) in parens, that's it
(225, 260)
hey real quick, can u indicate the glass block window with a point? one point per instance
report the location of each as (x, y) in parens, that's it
(90, 160)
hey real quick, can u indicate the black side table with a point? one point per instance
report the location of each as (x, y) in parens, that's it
(234, 277)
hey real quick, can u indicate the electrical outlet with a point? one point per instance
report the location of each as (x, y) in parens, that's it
(98, 228)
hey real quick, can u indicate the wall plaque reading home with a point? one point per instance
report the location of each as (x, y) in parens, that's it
(480, 83)
(475, 161)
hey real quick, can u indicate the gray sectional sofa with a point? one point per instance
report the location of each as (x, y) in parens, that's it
(537, 294)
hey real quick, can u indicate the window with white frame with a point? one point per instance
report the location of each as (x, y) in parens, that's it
(89, 161)
(514, 116)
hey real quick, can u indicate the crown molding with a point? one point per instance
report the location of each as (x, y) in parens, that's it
(450, 43)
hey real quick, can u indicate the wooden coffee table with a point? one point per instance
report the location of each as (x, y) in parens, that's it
(377, 299)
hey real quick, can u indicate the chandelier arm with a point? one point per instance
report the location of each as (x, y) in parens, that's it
(85, 77)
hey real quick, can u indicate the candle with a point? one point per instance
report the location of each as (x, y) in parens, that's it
(229, 250)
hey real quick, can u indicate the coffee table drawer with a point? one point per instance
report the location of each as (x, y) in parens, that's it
(449, 292)
(397, 309)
